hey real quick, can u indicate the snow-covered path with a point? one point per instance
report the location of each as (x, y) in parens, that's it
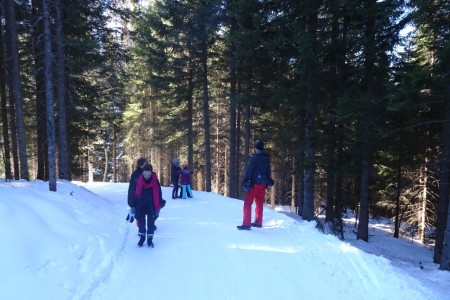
(199, 254)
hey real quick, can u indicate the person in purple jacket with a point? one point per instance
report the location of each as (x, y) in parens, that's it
(186, 181)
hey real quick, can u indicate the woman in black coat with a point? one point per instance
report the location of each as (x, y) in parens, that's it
(175, 175)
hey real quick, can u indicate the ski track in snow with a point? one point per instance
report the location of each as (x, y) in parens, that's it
(181, 237)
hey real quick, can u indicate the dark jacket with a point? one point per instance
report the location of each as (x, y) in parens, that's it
(175, 172)
(132, 187)
(186, 176)
(258, 168)
(147, 199)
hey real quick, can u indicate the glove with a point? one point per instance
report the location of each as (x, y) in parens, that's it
(270, 183)
(162, 203)
(131, 214)
(247, 185)
(155, 215)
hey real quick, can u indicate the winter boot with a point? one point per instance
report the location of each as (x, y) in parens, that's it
(256, 225)
(150, 240)
(141, 241)
(243, 227)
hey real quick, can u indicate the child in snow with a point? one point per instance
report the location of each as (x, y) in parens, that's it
(186, 181)
(148, 197)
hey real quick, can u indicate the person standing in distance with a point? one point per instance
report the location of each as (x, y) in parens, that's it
(186, 182)
(257, 176)
(175, 176)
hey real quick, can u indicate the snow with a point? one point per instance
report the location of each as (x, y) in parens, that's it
(76, 244)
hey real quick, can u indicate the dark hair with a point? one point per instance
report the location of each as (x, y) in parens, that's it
(141, 161)
(148, 167)
(259, 145)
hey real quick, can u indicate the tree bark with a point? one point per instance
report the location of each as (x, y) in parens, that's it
(49, 98)
(41, 114)
(311, 104)
(331, 108)
(443, 206)
(369, 61)
(238, 151)
(63, 148)
(105, 169)
(114, 152)
(4, 107)
(300, 170)
(424, 199)
(12, 121)
(190, 117)
(13, 57)
(445, 260)
(233, 83)
(206, 118)
(398, 194)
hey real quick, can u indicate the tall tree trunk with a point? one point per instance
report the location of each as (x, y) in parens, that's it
(399, 192)
(233, 83)
(233, 135)
(293, 185)
(114, 153)
(63, 148)
(341, 78)
(218, 182)
(422, 213)
(301, 170)
(16, 86)
(105, 170)
(443, 206)
(206, 120)
(308, 198)
(4, 107)
(363, 224)
(238, 152)
(12, 121)
(273, 190)
(331, 128)
(311, 104)
(190, 116)
(41, 114)
(90, 167)
(247, 134)
(369, 61)
(445, 257)
(338, 203)
(49, 98)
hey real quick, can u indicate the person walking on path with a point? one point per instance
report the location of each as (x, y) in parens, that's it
(186, 181)
(256, 178)
(147, 204)
(175, 177)
(140, 163)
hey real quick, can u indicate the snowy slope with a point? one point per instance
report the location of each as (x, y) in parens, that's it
(75, 244)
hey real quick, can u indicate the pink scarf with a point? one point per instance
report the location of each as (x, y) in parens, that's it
(141, 184)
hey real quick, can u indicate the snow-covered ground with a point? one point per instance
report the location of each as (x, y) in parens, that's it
(76, 244)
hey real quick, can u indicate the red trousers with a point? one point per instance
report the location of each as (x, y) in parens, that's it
(255, 194)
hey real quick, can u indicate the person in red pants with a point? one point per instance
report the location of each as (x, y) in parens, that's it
(256, 178)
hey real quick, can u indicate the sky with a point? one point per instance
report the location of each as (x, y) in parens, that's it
(76, 244)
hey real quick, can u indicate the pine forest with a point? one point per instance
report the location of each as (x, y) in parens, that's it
(351, 97)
